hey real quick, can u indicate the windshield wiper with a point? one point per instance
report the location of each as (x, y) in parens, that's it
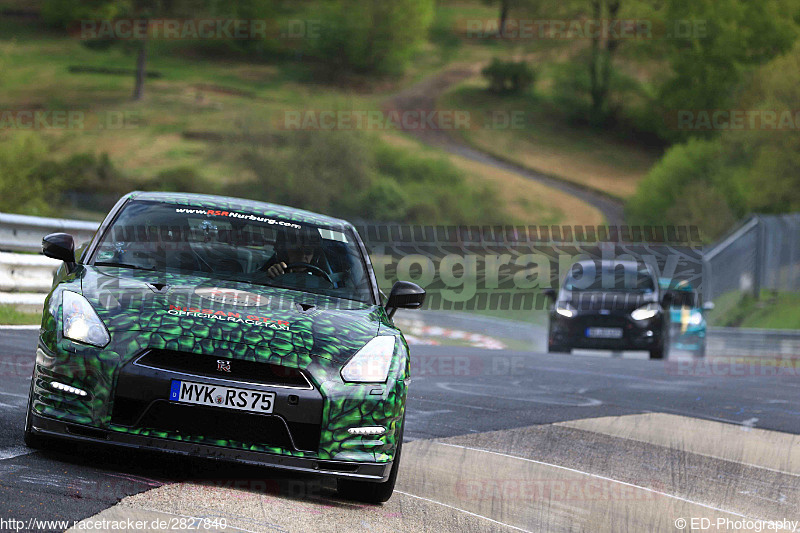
(123, 265)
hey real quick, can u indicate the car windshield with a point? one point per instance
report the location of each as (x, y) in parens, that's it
(684, 299)
(236, 246)
(619, 277)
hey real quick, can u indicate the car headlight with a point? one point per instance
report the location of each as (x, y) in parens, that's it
(695, 319)
(564, 309)
(80, 321)
(645, 312)
(371, 363)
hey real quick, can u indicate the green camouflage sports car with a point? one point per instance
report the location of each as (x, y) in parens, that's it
(225, 328)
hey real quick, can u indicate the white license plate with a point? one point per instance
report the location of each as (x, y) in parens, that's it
(228, 397)
(604, 333)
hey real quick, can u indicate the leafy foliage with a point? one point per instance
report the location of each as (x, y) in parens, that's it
(752, 168)
(371, 36)
(504, 77)
(708, 64)
(23, 186)
(350, 175)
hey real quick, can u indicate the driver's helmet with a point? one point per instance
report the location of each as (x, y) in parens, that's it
(305, 241)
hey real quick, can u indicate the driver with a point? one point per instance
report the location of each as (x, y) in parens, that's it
(295, 247)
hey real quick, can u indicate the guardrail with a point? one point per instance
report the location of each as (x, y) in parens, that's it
(26, 273)
(26, 278)
(23, 233)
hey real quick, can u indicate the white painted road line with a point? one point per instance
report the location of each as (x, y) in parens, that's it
(463, 511)
(604, 478)
(14, 451)
(21, 327)
(25, 396)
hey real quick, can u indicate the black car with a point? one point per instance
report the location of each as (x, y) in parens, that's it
(610, 305)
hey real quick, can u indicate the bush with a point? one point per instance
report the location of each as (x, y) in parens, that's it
(181, 179)
(371, 36)
(436, 191)
(687, 187)
(32, 184)
(315, 170)
(508, 77)
(24, 188)
(351, 175)
(66, 14)
(385, 200)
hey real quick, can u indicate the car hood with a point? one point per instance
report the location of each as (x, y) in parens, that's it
(207, 308)
(617, 302)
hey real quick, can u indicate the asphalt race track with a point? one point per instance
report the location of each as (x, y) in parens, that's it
(495, 441)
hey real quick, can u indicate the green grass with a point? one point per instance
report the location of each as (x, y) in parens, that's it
(197, 92)
(547, 141)
(774, 310)
(9, 315)
(530, 316)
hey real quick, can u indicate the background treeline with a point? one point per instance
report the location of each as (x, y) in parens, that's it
(701, 55)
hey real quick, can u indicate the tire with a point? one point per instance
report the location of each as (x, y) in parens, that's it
(701, 352)
(370, 491)
(661, 350)
(558, 349)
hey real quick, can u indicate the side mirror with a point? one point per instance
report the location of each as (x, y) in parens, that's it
(550, 293)
(405, 295)
(708, 306)
(667, 299)
(60, 246)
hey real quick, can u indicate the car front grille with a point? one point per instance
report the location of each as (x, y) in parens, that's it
(215, 424)
(238, 370)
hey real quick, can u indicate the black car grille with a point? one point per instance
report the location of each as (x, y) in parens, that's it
(215, 424)
(208, 365)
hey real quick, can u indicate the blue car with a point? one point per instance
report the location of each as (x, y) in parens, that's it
(687, 316)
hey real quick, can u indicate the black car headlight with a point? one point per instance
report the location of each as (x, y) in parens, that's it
(646, 312)
(371, 363)
(80, 321)
(565, 309)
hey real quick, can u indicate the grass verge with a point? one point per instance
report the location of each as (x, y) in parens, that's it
(774, 310)
(546, 142)
(10, 316)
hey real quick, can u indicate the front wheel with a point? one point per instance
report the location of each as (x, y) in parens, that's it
(702, 351)
(555, 348)
(370, 491)
(661, 350)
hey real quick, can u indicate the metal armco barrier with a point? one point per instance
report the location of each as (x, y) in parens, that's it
(26, 273)
(23, 233)
(26, 278)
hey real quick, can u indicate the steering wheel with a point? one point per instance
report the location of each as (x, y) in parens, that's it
(314, 269)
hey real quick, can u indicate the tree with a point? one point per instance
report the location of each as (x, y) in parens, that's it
(371, 36)
(505, 8)
(709, 62)
(67, 13)
(602, 23)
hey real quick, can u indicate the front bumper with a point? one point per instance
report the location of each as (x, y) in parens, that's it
(48, 427)
(636, 335)
(691, 339)
(313, 419)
